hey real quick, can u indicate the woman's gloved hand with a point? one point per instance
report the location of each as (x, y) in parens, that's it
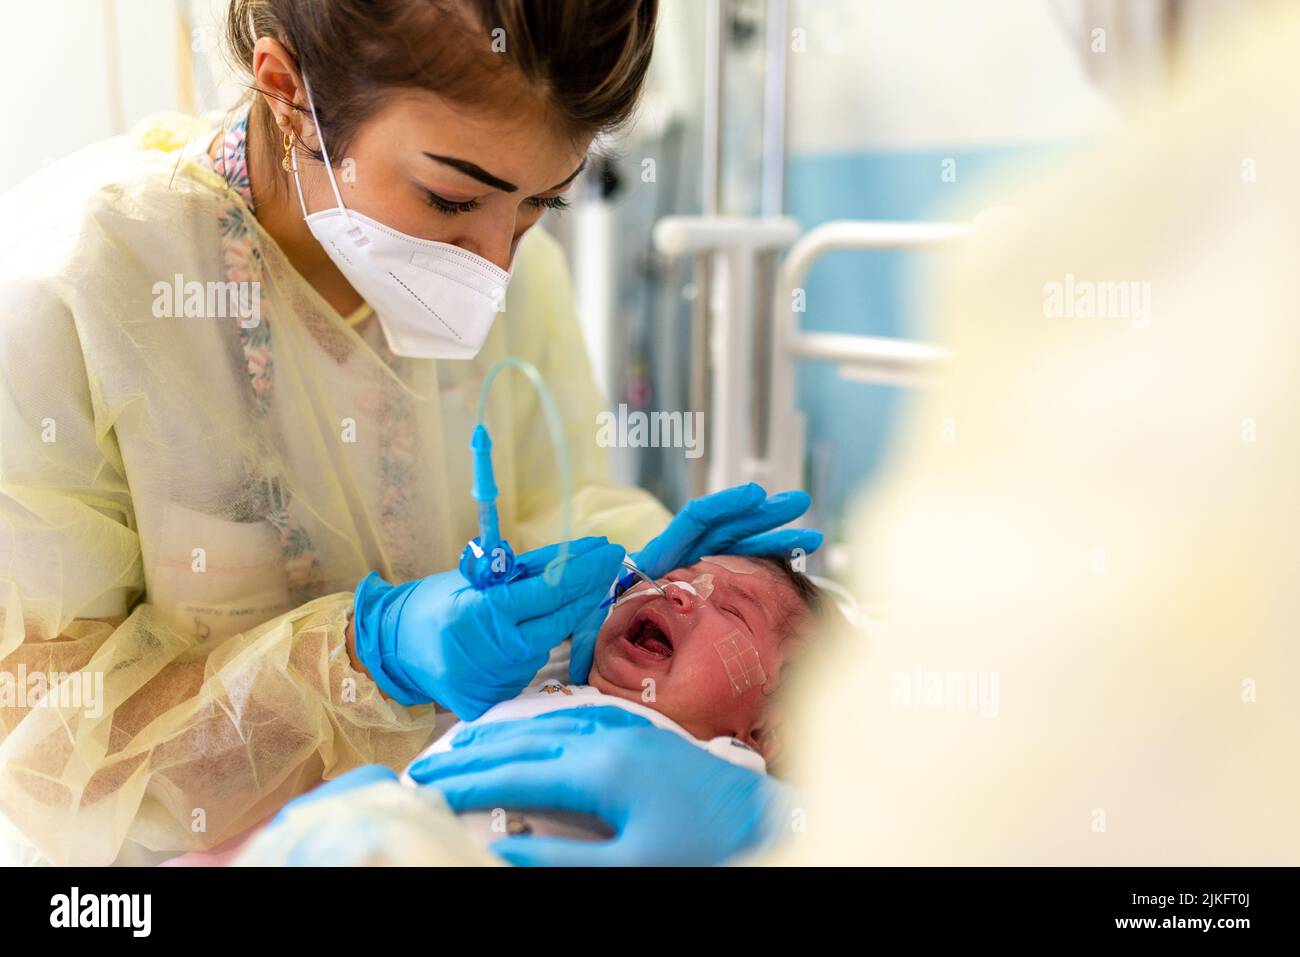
(743, 520)
(668, 801)
(440, 639)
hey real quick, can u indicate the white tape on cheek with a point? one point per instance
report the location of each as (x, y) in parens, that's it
(740, 659)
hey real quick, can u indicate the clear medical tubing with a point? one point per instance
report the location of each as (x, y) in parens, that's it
(558, 443)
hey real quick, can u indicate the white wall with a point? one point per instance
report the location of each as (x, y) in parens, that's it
(880, 74)
(76, 71)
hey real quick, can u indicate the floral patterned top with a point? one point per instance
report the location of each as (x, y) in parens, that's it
(226, 155)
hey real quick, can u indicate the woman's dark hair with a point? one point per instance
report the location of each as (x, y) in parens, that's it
(584, 61)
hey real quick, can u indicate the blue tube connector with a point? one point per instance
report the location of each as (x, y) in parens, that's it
(485, 487)
(487, 559)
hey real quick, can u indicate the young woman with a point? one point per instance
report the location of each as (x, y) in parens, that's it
(242, 358)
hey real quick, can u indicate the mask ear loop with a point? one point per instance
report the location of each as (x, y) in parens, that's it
(354, 232)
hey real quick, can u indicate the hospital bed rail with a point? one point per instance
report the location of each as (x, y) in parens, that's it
(759, 435)
(780, 447)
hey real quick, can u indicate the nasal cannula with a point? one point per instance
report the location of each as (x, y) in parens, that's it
(626, 582)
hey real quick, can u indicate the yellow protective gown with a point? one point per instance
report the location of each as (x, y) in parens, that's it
(187, 502)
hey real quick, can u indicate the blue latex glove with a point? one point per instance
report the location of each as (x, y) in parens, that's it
(356, 778)
(743, 520)
(668, 801)
(439, 639)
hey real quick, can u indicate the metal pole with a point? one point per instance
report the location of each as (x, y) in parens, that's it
(775, 85)
(711, 136)
(772, 193)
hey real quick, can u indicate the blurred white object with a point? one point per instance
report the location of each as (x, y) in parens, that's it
(382, 824)
(1107, 539)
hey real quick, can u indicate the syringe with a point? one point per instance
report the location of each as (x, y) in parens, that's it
(488, 559)
(485, 488)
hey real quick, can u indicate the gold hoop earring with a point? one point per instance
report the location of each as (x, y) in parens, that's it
(286, 163)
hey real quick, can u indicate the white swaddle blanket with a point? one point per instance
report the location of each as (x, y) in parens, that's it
(554, 695)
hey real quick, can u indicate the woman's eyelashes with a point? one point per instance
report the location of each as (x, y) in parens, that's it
(549, 202)
(451, 207)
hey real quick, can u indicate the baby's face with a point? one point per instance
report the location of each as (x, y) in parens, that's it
(695, 654)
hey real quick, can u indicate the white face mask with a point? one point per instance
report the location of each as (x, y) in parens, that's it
(433, 300)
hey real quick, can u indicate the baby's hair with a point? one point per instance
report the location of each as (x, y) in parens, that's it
(814, 599)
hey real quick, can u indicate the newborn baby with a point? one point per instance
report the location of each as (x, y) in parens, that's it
(709, 653)
(701, 660)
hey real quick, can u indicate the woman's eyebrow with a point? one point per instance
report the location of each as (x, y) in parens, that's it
(477, 172)
(483, 176)
(571, 177)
